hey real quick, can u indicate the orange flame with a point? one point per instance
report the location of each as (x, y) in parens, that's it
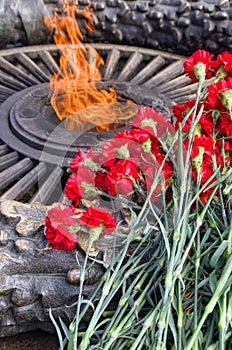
(76, 97)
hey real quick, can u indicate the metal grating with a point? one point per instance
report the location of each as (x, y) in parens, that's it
(28, 180)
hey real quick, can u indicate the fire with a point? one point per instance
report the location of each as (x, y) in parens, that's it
(76, 97)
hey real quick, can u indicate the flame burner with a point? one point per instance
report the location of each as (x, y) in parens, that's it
(34, 150)
(30, 125)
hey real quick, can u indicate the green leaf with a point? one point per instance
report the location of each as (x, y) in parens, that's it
(57, 329)
(64, 328)
(216, 259)
(212, 281)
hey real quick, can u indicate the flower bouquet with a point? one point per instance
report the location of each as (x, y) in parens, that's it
(166, 185)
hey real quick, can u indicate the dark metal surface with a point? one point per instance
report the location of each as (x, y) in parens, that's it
(29, 123)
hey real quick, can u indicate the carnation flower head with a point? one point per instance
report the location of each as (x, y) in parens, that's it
(222, 66)
(220, 95)
(89, 159)
(77, 160)
(80, 185)
(98, 218)
(180, 111)
(59, 238)
(206, 123)
(121, 177)
(224, 124)
(115, 147)
(155, 123)
(197, 66)
(72, 191)
(57, 223)
(206, 142)
(61, 215)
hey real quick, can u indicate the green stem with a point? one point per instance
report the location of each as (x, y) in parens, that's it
(199, 222)
(104, 301)
(197, 264)
(229, 250)
(180, 318)
(147, 324)
(222, 322)
(120, 325)
(220, 286)
(80, 297)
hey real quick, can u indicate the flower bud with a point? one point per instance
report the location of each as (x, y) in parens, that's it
(226, 99)
(197, 161)
(200, 71)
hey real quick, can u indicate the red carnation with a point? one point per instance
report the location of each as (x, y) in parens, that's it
(61, 215)
(204, 196)
(57, 222)
(125, 134)
(207, 168)
(224, 124)
(157, 151)
(167, 171)
(124, 186)
(110, 148)
(220, 95)
(206, 123)
(197, 66)
(180, 111)
(101, 181)
(140, 135)
(77, 160)
(59, 238)
(75, 189)
(223, 65)
(137, 134)
(72, 191)
(152, 121)
(94, 217)
(207, 143)
(121, 177)
(88, 159)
